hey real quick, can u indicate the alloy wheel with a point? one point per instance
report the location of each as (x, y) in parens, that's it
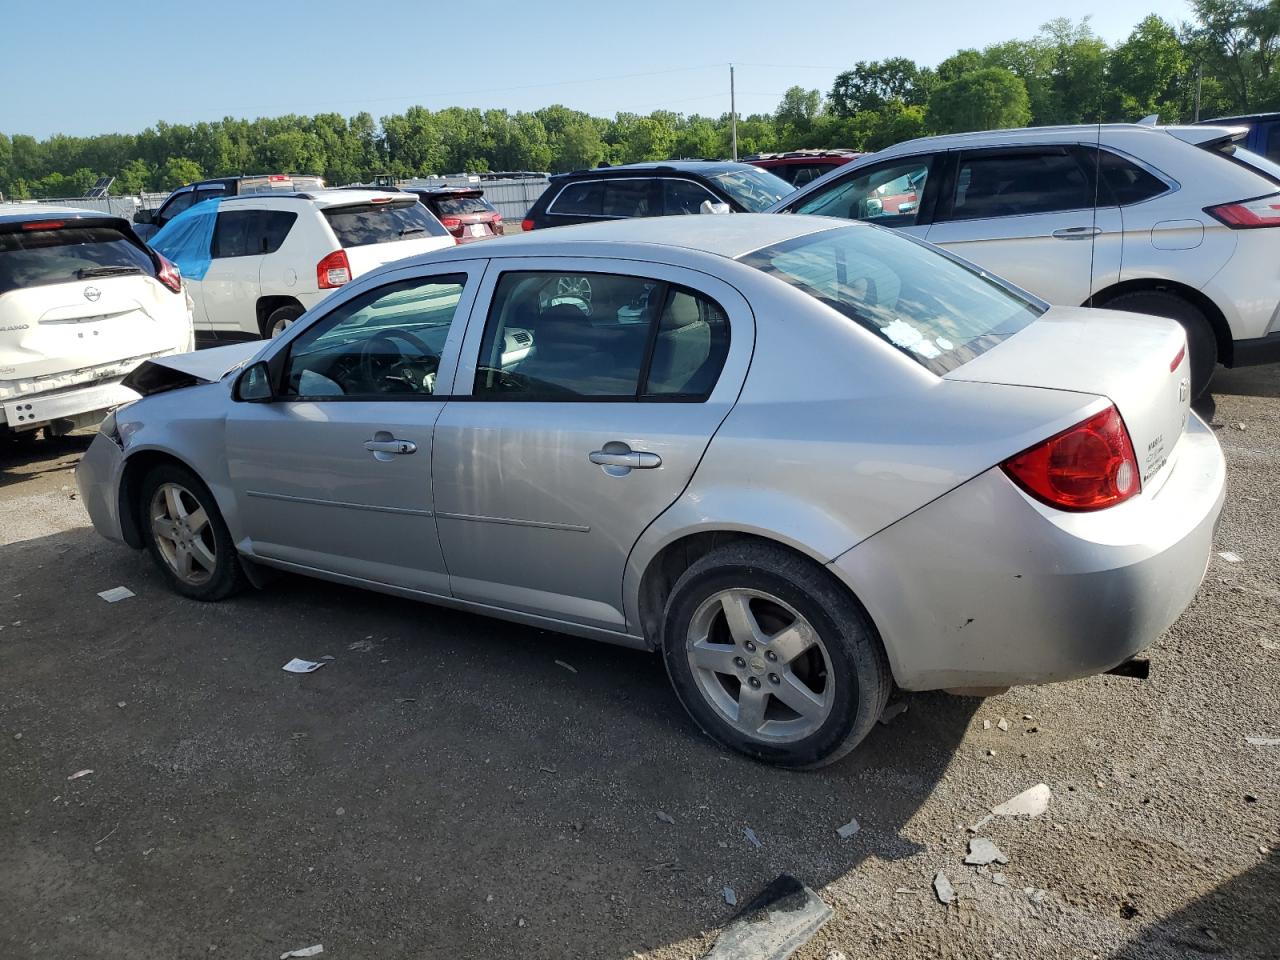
(183, 534)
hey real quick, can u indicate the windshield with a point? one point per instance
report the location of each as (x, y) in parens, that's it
(363, 224)
(459, 206)
(30, 258)
(754, 188)
(935, 309)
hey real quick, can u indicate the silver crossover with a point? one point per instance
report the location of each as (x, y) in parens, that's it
(804, 460)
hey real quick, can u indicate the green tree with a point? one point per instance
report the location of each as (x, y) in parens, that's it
(175, 172)
(134, 177)
(1145, 72)
(872, 84)
(796, 114)
(986, 99)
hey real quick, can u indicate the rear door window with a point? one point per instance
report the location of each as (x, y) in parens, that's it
(996, 183)
(234, 234)
(32, 258)
(627, 198)
(582, 199)
(175, 206)
(364, 224)
(684, 196)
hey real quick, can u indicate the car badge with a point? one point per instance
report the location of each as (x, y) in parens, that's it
(92, 294)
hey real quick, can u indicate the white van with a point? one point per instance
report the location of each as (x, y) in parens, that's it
(82, 302)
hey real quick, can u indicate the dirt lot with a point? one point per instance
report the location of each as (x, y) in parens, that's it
(443, 788)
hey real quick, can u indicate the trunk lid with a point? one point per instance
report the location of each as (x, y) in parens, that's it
(1128, 358)
(371, 256)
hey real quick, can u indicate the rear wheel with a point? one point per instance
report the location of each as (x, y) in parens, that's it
(1202, 344)
(772, 658)
(280, 320)
(186, 535)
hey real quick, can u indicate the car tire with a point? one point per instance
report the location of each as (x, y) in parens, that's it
(186, 535)
(1202, 344)
(816, 649)
(279, 320)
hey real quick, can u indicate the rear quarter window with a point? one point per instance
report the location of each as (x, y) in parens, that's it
(32, 258)
(361, 225)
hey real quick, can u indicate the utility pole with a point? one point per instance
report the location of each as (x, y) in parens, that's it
(1199, 84)
(732, 112)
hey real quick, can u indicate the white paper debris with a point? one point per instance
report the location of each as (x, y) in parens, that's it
(986, 724)
(1003, 724)
(313, 951)
(116, 594)
(942, 887)
(79, 773)
(1029, 803)
(666, 817)
(1263, 741)
(302, 666)
(983, 852)
(751, 837)
(567, 666)
(730, 897)
(1230, 557)
(849, 829)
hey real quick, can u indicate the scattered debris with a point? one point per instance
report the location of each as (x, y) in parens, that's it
(1027, 716)
(999, 880)
(986, 724)
(520, 921)
(108, 836)
(776, 923)
(549, 770)
(1039, 895)
(1263, 741)
(849, 829)
(115, 594)
(893, 710)
(730, 897)
(79, 773)
(406, 699)
(983, 852)
(121, 704)
(568, 666)
(313, 951)
(363, 646)
(1230, 557)
(980, 824)
(666, 817)
(1241, 427)
(943, 888)
(340, 811)
(328, 656)
(302, 666)
(1003, 724)
(751, 837)
(904, 890)
(991, 753)
(1029, 803)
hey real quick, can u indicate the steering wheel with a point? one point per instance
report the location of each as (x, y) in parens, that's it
(374, 369)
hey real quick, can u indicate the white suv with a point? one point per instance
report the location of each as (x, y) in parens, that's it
(82, 302)
(264, 259)
(1169, 221)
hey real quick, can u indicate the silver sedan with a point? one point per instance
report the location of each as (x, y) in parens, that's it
(803, 460)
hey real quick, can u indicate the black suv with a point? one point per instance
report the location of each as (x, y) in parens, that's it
(655, 190)
(147, 222)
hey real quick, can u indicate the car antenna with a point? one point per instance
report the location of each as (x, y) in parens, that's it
(1097, 180)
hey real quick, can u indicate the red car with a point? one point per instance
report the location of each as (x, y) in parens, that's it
(464, 211)
(802, 166)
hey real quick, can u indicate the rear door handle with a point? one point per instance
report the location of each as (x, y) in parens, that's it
(618, 459)
(1077, 233)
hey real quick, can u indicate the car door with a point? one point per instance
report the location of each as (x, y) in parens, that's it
(232, 285)
(896, 193)
(334, 473)
(588, 391)
(1029, 215)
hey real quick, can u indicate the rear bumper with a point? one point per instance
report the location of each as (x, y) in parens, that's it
(98, 479)
(1250, 353)
(75, 404)
(985, 587)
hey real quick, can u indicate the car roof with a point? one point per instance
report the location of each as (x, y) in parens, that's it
(1241, 118)
(721, 235)
(951, 141)
(25, 212)
(327, 197)
(446, 191)
(704, 167)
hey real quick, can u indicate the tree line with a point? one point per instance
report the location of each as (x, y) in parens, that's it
(1224, 59)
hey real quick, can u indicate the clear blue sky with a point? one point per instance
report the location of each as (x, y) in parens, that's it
(87, 66)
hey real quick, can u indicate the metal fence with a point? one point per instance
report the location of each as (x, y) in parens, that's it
(115, 206)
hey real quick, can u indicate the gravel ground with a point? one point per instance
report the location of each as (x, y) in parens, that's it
(444, 788)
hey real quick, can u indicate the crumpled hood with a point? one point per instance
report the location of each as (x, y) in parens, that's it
(187, 369)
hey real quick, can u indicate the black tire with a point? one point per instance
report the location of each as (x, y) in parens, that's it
(858, 665)
(280, 315)
(1202, 344)
(226, 577)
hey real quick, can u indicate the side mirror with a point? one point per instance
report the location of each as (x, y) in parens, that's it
(145, 216)
(712, 206)
(254, 384)
(872, 207)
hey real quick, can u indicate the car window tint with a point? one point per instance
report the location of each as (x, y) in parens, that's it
(575, 336)
(690, 347)
(32, 258)
(582, 199)
(684, 196)
(384, 343)
(175, 206)
(806, 174)
(457, 206)
(209, 193)
(273, 227)
(364, 224)
(992, 184)
(889, 194)
(1127, 181)
(234, 234)
(626, 198)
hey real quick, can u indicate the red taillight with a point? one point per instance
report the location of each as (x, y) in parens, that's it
(1248, 214)
(168, 273)
(1173, 364)
(333, 271)
(1087, 467)
(44, 225)
(526, 224)
(278, 178)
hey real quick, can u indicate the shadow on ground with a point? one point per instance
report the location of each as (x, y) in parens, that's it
(443, 787)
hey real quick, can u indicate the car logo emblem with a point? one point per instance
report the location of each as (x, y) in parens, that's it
(92, 294)
(1184, 390)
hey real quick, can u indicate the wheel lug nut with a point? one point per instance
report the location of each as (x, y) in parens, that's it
(754, 683)
(770, 655)
(738, 661)
(774, 678)
(749, 645)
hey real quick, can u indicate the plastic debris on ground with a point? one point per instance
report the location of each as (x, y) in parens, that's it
(1230, 557)
(1003, 725)
(730, 897)
(942, 887)
(1029, 803)
(79, 773)
(302, 666)
(116, 594)
(312, 951)
(666, 817)
(777, 922)
(983, 852)
(569, 667)
(751, 837)
(848, 830)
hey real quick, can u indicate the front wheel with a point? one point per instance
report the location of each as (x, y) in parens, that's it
(186, 535)
(773, 658)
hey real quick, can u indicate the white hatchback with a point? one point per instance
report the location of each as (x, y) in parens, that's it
(82, 303)
(271, 257)
(1170, 221)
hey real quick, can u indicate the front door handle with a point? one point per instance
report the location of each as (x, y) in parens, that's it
(1077, 233)
(617, 459)
(384, 446)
